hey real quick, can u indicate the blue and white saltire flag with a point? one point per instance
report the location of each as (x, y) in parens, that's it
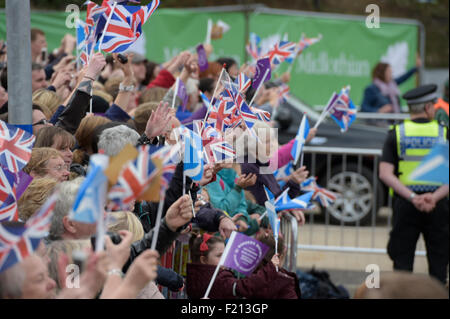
(269, 195)
(273, 220)
(193, 151)
(434, 166)
(300, 139)
(91, 197)
(284, 202)
(283, 172)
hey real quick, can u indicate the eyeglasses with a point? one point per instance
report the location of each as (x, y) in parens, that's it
(41, 122)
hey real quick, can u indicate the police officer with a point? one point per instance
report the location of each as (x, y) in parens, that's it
(418, 207)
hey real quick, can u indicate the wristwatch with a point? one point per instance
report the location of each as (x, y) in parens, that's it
(123, 88)
(411, 196)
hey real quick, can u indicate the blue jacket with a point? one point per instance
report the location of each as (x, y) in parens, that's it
(373, 100)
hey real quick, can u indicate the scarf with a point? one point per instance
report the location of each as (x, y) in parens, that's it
(390, 90)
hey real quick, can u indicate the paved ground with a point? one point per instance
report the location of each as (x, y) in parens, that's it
(348, 268)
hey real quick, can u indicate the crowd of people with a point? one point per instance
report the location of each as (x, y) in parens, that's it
(101, 108)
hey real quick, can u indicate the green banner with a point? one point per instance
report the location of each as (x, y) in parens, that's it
(346, 54)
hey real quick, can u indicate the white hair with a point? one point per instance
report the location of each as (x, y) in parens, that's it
(246, 143)
(67, 192)
(11, 282)
(114, 139)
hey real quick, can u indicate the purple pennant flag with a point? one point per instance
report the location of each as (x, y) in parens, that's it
(243, 253)
(182, 94)
(22, 180)
(261, 67)
(202, 58)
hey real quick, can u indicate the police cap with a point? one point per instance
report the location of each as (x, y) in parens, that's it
(421, 94)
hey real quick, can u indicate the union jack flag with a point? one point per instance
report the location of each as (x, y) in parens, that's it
(94, 12)
(244, 111)
(253, 48)
(125, 26)
(343, 111)
(218, 151)
(261, 114)
(134, 178)
(283, 91)
(15, 245)
(281, 52)
(7, 184)
(8, 210)
(170, 157)
(243, 83)
(15, 147)
(320, 194)
(307, 42)
(39, 223)
(221, 114)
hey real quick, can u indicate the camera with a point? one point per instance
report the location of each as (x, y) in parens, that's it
(115, 238)
(122, 58)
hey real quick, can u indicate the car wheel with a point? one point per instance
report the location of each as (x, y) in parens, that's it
(354, 204)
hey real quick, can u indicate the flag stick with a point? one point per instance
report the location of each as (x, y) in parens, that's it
(175, 93)
(263, 215)
(212, 98)
(208, 32)
(92, 97)
(222, 260)
(192, 204)
(184, 183)
(259, 87)
(325, 111)
(158, 218)
(106, 26)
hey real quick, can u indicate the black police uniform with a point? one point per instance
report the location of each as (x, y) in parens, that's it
(408, 222)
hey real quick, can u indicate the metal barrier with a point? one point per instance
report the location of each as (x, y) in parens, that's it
(289, 230)
(333, 235)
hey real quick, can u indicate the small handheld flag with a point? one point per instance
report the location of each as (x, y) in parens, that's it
(242, 253)
(434, 167)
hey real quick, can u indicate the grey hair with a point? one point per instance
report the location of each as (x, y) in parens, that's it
(67, 192)
(418, 108)
(114, 139)
(11, 282)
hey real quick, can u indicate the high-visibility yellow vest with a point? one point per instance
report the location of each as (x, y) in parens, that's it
(414, 142)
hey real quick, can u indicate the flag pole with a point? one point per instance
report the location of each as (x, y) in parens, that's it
(221, 261)
(324, 112)
(175, 92)
(192, 204)
(106, 26)
(208, 32)
(259, 87)
(158, 218)
(212, 98)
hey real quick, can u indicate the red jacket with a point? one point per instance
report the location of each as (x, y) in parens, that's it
(264, 283)
(164, 79)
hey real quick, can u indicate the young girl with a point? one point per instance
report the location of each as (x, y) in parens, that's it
(265, 283)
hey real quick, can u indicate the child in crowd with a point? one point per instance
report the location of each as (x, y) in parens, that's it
(267, 282)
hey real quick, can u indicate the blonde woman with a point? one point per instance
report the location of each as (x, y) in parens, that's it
(47, 162)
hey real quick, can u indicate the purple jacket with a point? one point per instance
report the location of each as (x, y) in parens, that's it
(267, 180)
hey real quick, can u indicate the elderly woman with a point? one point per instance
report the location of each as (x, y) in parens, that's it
(47, 162)
(259, 156)
(383, 95)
